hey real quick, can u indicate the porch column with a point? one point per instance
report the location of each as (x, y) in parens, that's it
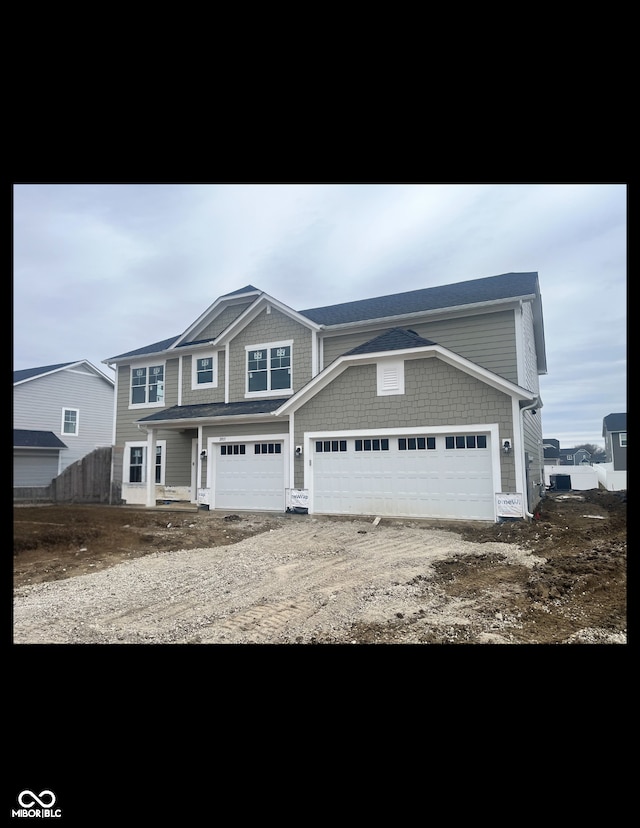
(151, 467)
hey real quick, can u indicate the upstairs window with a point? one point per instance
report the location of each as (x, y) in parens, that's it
(203, 371)
(623, 439)
(70, 421)
(269, 368)
(147, 385)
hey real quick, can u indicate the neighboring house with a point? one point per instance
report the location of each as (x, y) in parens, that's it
(416, 404)
(551, 452)
(556, 456)
(614, 431)
(557, 476)
(60, 413)
(573, 456)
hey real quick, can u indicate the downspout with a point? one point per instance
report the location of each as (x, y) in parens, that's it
(535, 404)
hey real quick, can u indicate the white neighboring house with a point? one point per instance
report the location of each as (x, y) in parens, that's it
(60, 414)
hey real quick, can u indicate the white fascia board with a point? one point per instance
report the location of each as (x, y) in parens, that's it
(48, 373)
(254, 309)
(445, 313)
(428, 351)
(136, 359)
(209, 314)
(70, 367)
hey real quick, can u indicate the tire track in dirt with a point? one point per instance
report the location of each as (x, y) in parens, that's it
(290, 585)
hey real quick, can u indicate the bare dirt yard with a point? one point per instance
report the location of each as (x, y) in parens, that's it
(119, 574)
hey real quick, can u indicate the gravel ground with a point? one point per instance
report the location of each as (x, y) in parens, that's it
(280, 587)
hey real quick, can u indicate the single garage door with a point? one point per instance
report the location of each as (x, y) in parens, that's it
(440, 476)
(249, 475)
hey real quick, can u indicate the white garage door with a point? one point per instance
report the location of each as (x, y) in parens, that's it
(249, 475)
(441, 476)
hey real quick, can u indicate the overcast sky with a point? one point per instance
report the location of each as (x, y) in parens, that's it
(102, 269)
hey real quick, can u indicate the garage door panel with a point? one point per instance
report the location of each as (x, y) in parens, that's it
(251, 477)
(414, 481)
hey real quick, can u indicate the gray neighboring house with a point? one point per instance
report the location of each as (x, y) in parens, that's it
(60, 413)
(417, 404)
(614, 431)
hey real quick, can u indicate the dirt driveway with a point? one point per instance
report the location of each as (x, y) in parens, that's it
(107, 574)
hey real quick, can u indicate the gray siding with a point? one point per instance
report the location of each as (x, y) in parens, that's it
(436, 394)
(265, 328)
(530, 379)
(38, 405)
(222, 321)
(178, 460)
(615, 453)
(207, 395)
(127, 417)
(238, 430)
(487, 339)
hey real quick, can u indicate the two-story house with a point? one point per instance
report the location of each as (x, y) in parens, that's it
(419, 404)
(60, 414)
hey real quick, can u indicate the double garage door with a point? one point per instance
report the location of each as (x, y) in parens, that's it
(249, 475)
(441, 476)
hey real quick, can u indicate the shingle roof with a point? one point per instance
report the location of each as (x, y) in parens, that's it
(505, 286)
(25, 438)
(207, 410)
(395, 339)
(614, 422)
(245, 289)
(491, 288)
(29, 373)
(155, 348)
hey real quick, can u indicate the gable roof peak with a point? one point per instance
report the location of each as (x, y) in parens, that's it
(245, 289)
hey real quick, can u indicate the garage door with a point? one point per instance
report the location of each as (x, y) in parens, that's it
(249, 475)
(441, 476)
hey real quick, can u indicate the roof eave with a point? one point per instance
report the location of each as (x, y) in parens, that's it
(194, 422)
(450, 309)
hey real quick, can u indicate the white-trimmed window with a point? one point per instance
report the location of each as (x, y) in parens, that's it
(147, 385)
(390, 375)
(204, 372)
(70, 422)
(623, 439)
(269, 369)
(135, 462)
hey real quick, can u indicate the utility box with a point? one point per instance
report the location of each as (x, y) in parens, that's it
(561, 482)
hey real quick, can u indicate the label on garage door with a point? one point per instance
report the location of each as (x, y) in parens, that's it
(509, 504)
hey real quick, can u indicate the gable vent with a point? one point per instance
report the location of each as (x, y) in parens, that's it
(390, 375)
(390, 379)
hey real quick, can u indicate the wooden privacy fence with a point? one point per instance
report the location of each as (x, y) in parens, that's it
(88, 480)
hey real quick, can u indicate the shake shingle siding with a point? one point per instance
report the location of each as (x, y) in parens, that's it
(264, 329)
(222, 321)
(195, 396)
